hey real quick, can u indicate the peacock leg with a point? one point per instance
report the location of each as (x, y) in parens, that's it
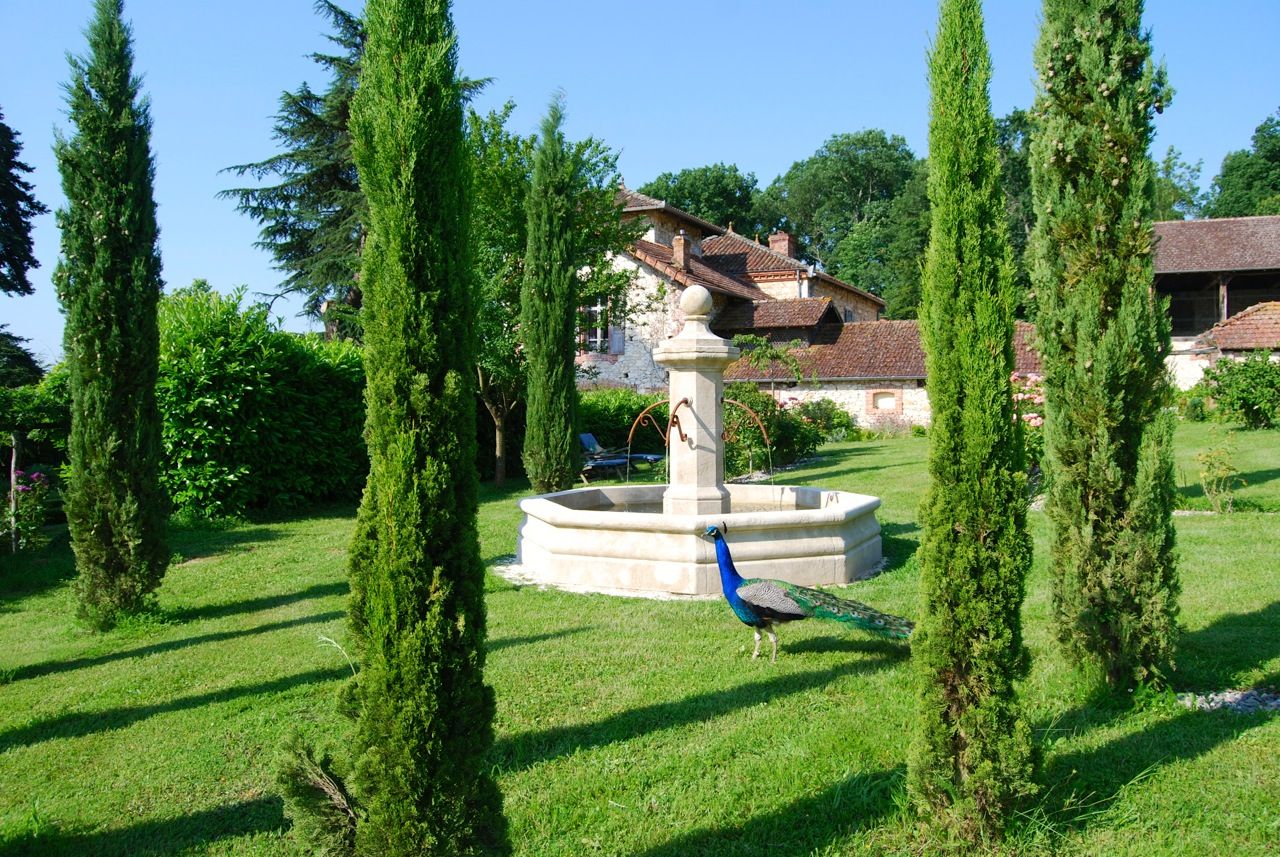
(773, 638)
(756, 653)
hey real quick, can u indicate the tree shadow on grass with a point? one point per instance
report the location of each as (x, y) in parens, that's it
(1086, 782)
(257, 605)
(160, 837)
(52, 667)
(1213, 657)
(32, 572)
(1195, 490)
(530, 748)
(492, 646)
(857, 802)
(899, 543)
(80, 724)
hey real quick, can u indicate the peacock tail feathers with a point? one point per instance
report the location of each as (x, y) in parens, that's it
(823, 605)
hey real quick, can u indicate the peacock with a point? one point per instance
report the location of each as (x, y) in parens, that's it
(765, 603)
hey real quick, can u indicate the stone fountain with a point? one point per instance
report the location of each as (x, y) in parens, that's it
(647, 539)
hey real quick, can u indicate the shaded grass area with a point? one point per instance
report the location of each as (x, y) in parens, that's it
(624, 726)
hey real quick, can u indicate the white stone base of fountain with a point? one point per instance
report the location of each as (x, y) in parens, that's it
(616, 539)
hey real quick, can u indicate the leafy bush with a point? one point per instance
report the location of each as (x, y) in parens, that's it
(1196, 403)
(1219, 477)
(609, 413)
(1248, 389)
(26, 517)
(833, 421)
(791, 436)
(254, 417)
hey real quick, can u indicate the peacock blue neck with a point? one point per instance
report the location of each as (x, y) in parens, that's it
(730, 580)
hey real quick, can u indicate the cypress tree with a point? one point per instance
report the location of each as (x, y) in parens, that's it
(1103, 338)
(108, 281)
(417, 615)
(972, 758)
(548, 312)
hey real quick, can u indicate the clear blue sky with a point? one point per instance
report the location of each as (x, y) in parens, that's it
(759, 84)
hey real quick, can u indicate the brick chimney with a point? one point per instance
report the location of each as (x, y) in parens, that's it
(680, 249)
(784, 243)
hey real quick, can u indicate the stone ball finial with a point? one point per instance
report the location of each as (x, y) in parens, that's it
(696, 301)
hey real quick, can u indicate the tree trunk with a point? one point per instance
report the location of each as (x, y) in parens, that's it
(13, 493)
(499, 448)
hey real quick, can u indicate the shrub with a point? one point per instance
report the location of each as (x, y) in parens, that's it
(833, 421)
(791, 437)
(609, 414)
(254, 417)
(26, 518)
(1219, 477)
(1248, 390)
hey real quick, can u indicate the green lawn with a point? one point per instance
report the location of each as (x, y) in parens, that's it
(626, 726)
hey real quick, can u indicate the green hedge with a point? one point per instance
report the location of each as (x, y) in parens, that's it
(791, 436)
(254, 417)
(608, 414)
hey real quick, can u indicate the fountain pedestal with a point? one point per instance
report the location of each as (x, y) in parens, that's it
(696, 359)
(648, 539)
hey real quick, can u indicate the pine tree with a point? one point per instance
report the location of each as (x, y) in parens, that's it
(417, 613)
(548, 312)
(972, 759)
(1103, 338)
(108, 280)
(17, 207)
(313, 220)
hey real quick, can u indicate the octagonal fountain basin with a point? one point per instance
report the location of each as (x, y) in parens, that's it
(616, 539)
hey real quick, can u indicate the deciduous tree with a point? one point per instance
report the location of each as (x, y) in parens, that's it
(972, 758)
(1249, 181)
(108, 281)
(719, 193)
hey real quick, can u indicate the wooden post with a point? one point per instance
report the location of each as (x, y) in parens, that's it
(1223, 279)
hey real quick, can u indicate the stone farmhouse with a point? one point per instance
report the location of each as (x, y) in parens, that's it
(871, 367)
(679, 250)
(1212, 271)
(1222, 278)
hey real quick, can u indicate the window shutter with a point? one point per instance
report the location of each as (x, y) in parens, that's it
(616, 340)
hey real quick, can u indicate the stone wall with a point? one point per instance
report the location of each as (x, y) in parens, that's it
(654, 316)
(874, 404)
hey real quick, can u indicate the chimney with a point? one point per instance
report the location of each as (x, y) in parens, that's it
(680, 251)
(782, 242)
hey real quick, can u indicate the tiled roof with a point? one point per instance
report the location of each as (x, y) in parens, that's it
(1253, 328)
(767, 315)
(658, 257)
(1226, 244)
(636, 201)
(875, 350)
(738, 256)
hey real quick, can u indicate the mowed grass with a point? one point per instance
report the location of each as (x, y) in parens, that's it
(625, 726)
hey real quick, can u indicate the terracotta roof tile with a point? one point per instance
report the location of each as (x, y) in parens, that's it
(1248, 330)
(738, 256)
(876, 350)
(1226, 244)
(766, 315)
(634, 201)
(658, 257)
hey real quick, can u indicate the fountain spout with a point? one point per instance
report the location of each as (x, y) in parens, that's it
(696, 359)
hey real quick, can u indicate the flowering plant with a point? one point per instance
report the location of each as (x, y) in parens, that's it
(24, 514)
(1028, 404)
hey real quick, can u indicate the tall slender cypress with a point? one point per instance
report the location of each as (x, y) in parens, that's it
(108, 281)
(425, 716)
(1103, 337)
(972, 757)
(548, 312)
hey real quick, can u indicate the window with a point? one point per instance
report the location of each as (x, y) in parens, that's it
(848, 314)
(884, 401)
(596, 334)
